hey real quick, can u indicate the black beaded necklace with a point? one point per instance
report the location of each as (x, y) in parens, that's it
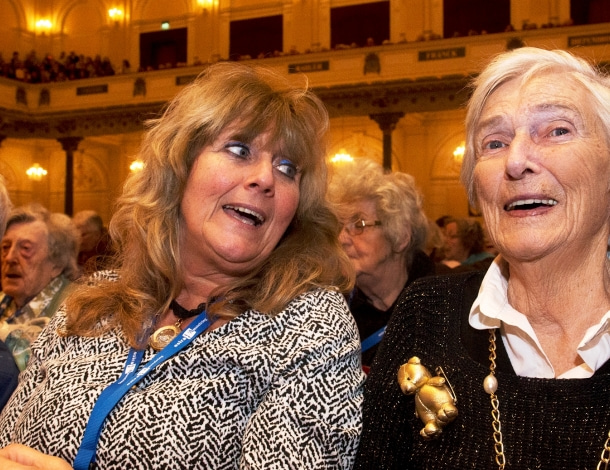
(182, 313)
(164, 335)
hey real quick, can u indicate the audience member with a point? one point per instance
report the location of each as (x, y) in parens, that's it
(464, 246)
(522, 348)
(5, 205)
(8, 368)
(95, 248)
(384, 232)
(38, 255)
(229, 293)
(435, 242)
(442, 221)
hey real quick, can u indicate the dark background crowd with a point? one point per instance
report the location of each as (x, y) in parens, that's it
(36, 69)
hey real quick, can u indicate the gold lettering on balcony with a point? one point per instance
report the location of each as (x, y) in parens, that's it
(589, 40)
(440, 54)
(309, 67)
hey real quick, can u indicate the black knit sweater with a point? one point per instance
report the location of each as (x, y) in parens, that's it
(546, 423)
(370, 319)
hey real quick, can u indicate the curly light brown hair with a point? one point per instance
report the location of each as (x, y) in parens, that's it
(146, 224)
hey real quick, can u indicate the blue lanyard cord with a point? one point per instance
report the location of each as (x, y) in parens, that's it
(372, 340)
(111, 395)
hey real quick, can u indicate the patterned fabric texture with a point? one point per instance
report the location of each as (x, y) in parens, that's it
(259, 392)
(20, 328)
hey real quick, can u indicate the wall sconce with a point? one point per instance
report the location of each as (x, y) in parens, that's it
(136, 165)
(165, 25)
(43, 26)
(458, 153)
(205, 4)
(115, 14)
(342, 156)
(36, 172)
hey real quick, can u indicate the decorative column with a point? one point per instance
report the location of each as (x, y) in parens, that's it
(387, 123)
(427, 19)
(69, 145)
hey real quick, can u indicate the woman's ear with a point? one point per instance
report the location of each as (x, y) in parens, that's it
(402, 245)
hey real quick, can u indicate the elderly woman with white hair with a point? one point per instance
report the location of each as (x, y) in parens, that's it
(510, 368)
(384, 233)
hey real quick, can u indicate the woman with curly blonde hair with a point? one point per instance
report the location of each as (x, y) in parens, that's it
(224, 321)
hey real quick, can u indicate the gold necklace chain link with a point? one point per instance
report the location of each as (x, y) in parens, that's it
(605, 458)
(490, 385)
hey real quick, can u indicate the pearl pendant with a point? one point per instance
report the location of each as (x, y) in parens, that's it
(490, 384)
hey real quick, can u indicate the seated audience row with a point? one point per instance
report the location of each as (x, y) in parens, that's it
(33, 69)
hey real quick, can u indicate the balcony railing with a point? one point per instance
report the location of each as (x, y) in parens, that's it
(339, 74)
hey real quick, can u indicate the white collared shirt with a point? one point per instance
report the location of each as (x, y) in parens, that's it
(492, 310)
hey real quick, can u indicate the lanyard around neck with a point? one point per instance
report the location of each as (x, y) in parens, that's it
(111, 395)
(373, 340)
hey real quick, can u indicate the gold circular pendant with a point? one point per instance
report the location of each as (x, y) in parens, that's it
(163, 336)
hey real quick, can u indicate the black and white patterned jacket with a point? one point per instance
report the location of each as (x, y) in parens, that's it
(259, 392)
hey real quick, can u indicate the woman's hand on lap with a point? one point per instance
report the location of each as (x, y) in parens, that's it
(18, 456)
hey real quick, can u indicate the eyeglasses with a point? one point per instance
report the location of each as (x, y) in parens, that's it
(357, 227)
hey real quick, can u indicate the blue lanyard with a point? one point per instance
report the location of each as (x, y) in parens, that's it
(372, 340)
(130, 376)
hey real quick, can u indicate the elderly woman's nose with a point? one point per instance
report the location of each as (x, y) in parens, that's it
(520, 156)
(344, 237)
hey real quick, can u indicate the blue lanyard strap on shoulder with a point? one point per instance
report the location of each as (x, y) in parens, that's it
(372, 340)
(376, 337)
(111, 395)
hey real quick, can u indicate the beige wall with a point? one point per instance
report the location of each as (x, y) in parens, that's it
(101, 165)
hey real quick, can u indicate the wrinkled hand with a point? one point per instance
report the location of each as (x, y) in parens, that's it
(20, 457)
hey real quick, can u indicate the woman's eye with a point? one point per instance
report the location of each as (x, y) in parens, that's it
(288, 168)
(559, 131)
(239, 150)
(493, 145)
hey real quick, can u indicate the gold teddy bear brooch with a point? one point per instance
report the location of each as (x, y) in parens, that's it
(435, 400)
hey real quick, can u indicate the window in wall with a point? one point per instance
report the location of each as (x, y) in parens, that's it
(467, 17)
(256, 37)
(590, 11)
(359, 24)
(162, 49)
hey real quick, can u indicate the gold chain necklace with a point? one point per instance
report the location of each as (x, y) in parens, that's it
(490, 384)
